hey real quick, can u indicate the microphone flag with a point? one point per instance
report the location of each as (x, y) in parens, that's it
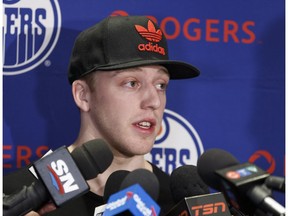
(208, 204)
(132, 200)
(61, 176)
(242, 174)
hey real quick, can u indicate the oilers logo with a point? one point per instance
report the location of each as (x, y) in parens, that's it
(177, 143)
(31, 30)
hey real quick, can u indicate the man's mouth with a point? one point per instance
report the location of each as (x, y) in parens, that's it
(144, 124)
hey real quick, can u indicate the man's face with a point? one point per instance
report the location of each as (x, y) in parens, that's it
(127, 107)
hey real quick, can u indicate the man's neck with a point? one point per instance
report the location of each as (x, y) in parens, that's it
(97, 185)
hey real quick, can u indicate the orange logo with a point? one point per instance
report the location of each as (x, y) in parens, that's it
(151, 34)
(119, 13)
(233, 175)
(209, 209)
(267, 156)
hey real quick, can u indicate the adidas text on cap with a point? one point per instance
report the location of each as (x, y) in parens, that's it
(120, 42)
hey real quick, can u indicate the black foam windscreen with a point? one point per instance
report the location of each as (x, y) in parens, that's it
(146, 179)
(113, 183)
(185, 182)
(212, 160)
(92, 158)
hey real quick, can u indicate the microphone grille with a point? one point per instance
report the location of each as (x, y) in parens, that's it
(212, 160)
(113, 183)
(92, 158)
(186, 182)
(146, 179)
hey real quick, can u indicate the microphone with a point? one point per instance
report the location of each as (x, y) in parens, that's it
(112, 186)
(136, 194)
(146, 179)
(242, 184)
(113, 183)
(62, 177)
(275, 183)
(185, 182)
(192, 195)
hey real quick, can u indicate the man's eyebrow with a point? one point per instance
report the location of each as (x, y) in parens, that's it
(138, 69)
(129, 69)
(165, 70)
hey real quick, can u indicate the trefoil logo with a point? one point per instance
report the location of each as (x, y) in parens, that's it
(153, 35)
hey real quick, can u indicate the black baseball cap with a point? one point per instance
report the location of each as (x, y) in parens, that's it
(120, 42)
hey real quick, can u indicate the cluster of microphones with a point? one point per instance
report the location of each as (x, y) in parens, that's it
(241, 189)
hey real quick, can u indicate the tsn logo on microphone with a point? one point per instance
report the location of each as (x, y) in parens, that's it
(208, 204)
(61, 178)
(208, 209)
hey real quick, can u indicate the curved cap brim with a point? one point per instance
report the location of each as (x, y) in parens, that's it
(176, 69)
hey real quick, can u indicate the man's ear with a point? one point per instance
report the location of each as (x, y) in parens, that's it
(81, 92)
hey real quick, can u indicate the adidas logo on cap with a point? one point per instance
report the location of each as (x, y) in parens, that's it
(153, 35)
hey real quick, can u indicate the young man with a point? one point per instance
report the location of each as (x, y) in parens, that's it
(119, 72)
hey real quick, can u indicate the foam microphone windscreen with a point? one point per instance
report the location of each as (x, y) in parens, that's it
(185, 182)
(113, 183)
(212, 160)
(93, 157)
(146, 179)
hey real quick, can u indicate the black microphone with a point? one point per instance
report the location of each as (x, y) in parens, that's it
(275, 183)
(146, 179)
(192, 195)
(62, 177)
(136, 195)
(121, 179)
(242, 184)
(185, 182)
(113, 183)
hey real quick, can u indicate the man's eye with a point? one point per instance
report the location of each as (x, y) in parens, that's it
(161, 86)
(131, 84)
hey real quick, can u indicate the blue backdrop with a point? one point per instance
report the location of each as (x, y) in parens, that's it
(236, 104)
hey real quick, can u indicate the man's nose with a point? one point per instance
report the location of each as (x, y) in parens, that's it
(150, 98)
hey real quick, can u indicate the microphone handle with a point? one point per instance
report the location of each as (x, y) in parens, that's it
(263, 200)
(275, 183)
(28, 199)
(274, 207)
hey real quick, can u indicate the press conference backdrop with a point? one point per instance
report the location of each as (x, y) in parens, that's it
(236, 104)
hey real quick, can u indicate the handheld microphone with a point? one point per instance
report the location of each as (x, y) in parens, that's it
(206, 204)
(192, 195)
(112, 186)
(138, 190)
(275, 183)
(185, 182)
(146, 179)
(242, 184)
(113, 183)
(62, 177)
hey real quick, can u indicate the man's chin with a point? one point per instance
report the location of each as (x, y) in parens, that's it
(142, 151)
